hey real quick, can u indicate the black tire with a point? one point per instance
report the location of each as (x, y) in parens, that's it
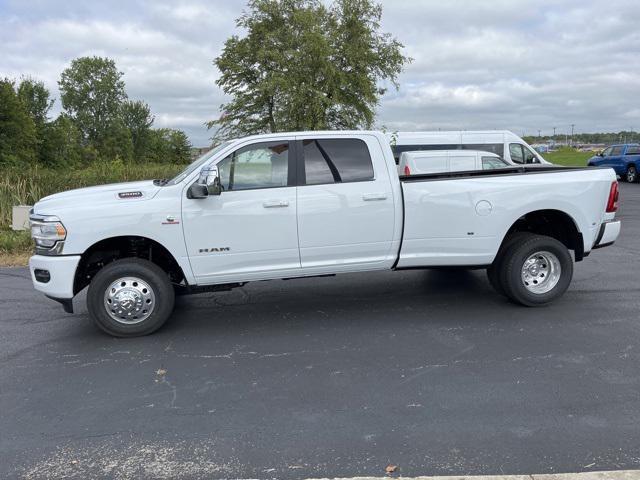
(493, 271)
(510, 273)
(632, 174)
(131, 268)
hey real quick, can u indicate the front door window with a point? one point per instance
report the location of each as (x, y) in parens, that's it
(516, 152)
(261, 165)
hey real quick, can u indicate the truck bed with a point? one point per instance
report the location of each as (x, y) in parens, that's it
(461, 218)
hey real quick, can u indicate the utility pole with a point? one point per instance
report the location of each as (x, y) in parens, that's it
(554, 133)
(538, 133)
(572, 125)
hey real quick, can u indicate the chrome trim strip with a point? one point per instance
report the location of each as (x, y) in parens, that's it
(34, 217)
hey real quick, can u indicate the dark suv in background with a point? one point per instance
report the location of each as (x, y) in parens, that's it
(624, 159)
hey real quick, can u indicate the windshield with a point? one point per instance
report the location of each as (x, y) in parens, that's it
(197, 164)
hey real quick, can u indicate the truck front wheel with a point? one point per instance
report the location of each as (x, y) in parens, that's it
(536, 270)
(632, 174)
(130, 297)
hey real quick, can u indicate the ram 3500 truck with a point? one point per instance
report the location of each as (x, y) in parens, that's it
(307, 204)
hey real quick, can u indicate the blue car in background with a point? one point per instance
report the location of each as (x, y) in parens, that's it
(624, 159)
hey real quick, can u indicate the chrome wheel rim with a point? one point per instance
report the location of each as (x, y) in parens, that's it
(129, 300)
(631, 175)
(541, 272)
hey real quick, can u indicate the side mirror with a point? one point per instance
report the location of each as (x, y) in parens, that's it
(208, 183)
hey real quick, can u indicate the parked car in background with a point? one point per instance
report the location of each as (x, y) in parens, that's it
(503, 143)
(624, 159)
(438, 161)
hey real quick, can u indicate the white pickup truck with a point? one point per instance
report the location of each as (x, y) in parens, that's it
(306, 204)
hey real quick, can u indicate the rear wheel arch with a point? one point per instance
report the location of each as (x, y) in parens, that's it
(108, 250)
(551, 223)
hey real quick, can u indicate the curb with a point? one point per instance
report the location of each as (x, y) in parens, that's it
(607, 475)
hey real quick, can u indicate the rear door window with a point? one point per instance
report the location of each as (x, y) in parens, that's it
(336, 161)
(633, 150)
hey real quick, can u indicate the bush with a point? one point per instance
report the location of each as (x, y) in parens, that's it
(25, 186)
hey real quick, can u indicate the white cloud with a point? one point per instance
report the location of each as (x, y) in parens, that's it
(517, 64)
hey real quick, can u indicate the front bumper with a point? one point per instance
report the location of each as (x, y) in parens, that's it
(54, 276)
(607, 234)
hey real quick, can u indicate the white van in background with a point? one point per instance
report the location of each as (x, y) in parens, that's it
(442, 161)
(503, 143)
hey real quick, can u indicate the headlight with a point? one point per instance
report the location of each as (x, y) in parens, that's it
(48, 233)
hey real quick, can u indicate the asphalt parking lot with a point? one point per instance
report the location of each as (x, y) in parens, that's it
(428, 370)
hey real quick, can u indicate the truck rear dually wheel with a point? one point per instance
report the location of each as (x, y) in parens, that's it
(536, 270)
(130, 297)
(493, 271)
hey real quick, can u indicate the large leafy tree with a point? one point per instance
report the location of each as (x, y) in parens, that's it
(18, 139)
(167, 145)
(92, 93)
(305, 66)
(137, 117)
(36, 98)
(61, 143)
(37, 101)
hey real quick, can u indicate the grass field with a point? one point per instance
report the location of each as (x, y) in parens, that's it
(568, 157)
(27, 186)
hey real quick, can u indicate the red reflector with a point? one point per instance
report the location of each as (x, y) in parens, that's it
(407, 170)
(614, 195)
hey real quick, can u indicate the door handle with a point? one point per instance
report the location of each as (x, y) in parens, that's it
(275, 204)
(369, 197)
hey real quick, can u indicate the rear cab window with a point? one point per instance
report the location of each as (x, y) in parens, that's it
(339, 160)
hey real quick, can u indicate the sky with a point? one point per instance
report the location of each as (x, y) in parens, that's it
(522, 65)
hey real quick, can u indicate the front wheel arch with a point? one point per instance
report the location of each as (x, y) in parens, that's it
(108, 250)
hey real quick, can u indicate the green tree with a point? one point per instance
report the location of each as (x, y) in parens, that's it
(61, 143)
(37, 100)
(92, 93)
(303, 66)
(179, 146)
(136, 116)
(167, 145)
(18, 140)
(116, 142)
